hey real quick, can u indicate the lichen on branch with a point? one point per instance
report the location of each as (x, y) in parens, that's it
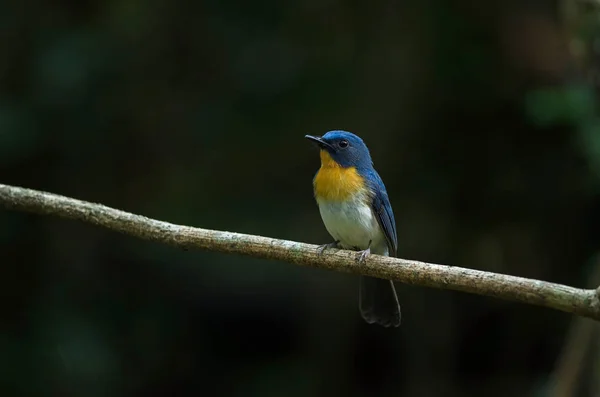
(583, 302)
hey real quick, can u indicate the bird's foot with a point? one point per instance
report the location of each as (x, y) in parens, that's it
(323, 247)
(363, 255)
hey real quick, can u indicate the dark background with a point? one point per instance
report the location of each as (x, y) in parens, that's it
(480, 117)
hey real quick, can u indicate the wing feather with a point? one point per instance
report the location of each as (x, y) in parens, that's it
(383, 212)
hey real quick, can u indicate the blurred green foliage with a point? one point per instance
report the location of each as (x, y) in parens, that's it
(481, 118)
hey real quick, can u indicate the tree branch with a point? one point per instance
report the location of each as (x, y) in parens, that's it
(583, 302)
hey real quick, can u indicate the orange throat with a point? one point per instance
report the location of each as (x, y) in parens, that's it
(335, 183)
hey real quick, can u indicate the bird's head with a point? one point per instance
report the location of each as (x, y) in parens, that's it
(342, 149)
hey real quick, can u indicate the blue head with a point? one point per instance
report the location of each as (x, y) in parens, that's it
(345, 148)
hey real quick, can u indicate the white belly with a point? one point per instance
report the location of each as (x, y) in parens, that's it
(353, 224)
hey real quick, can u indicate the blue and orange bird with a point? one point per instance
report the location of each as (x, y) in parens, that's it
(356, 211)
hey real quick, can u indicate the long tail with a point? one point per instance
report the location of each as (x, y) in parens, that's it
(378, 302)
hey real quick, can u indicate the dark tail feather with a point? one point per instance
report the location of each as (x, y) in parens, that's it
(379, 302)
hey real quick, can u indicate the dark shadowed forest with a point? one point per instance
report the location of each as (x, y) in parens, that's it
(481, 118)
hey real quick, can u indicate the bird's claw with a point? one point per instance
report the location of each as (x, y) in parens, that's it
(323, 247)
(363, 255)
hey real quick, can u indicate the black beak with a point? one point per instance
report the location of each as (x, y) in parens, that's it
(319, 141)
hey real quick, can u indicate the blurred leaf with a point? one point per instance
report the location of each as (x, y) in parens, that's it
(19, 135)
(271, 380)
(551, 106)
(89, 361)
(590, 137)
(65, 68)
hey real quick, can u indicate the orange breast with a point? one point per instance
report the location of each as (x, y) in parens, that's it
(335, 183)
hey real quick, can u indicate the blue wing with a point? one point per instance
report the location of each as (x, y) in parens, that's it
(383, 211)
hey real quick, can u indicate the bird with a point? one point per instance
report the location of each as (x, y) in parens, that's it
(356, 211)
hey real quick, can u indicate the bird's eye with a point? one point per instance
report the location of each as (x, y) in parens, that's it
(343, 144)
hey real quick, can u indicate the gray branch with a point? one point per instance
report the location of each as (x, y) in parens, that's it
(583, 302)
